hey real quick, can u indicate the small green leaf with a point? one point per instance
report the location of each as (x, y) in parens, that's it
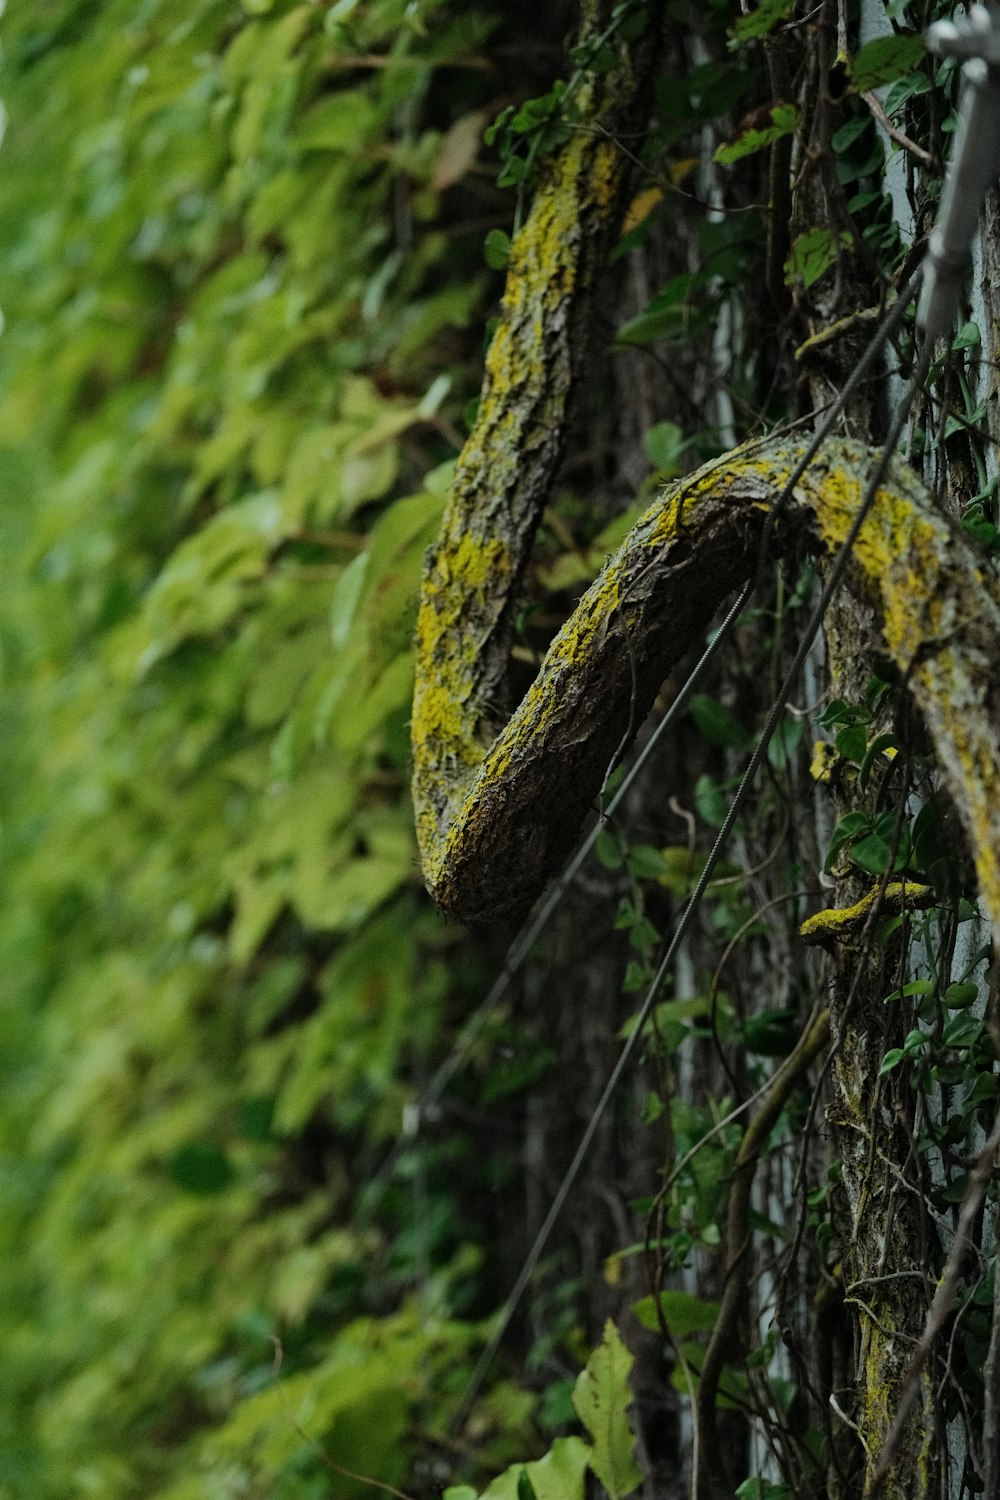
(648, 328)
(346, 597)
(664, 445)
(850, 825)
(764, 19)
(871, 853)
(960, 996)
(506, 1486)
(884, 59)
(755, 1488)
(852, 130)
(851, 742)
(874, 851)
(710, 801)
(784, 119)
(718, 724)
(983, 1091)
(837, 711)
(671, 314)
(879, 745)
(608, 849)
(561, 1474)
(962, 1031)
(601, 1398)
(967, 337)
(914, 987)
(784, 742)
(891, 1060)
(812, 254)
(496, 249)
(643, 934)
(647, 863)
(626, 916)
(637, 976)
(683, 1313)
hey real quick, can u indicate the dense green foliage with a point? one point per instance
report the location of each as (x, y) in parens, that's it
(234, 332)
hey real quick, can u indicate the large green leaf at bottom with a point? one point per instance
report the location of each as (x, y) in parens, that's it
(601, 1398)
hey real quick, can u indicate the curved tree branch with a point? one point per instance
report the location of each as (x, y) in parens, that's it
(499, 805)
(496, 823)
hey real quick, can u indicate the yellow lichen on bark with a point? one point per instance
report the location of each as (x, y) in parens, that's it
(940, 608)
(497, 814)
(840, 923)
(503, 475)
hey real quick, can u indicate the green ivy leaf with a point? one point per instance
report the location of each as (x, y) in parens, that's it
(884, 59)
(879, 746)
(756, 1488)
(967, 337)
(718, 724)
(874, 850)
(761, 21)
(560, 1475)
(506, 1486)
(647, 863)
(784, 742)
(710, 801)
(601, 1399)
(674, 313)
(664, 445)
(608, 849)
(812, 254)
(683, 1313)
(918, 987)
(784, 119)
(496, 249)
(850, 825)
(852, 742)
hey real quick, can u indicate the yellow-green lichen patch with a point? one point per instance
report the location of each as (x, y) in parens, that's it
(605, 175)
(901, 548)
(941, 622)
(970, 757)
(840, 923)
(474, 564)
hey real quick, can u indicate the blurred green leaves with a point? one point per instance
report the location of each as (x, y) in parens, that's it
(233, 327)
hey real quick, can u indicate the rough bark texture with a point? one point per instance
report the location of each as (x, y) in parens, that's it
(518, 811)
(505, 471)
